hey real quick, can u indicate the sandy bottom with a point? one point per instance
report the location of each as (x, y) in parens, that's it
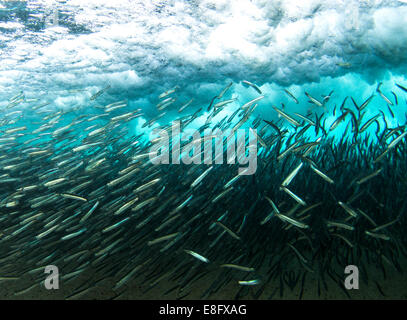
(90, 287)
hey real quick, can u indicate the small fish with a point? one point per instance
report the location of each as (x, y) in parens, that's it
(291, 176)
(126, 206)
(395, 98)
(343, 104)
(47, 232)
(164, 238)
(224, 90)
(72, 196)
(233, 235)
(309, 121)
(367, 217)
(86, 216)
(116, 105)
(355, 104)
(222, 194)
(259, 138)
(73, 235)
(275, 208)
(129, 275)
(144, 204)
(349, 210)
(391, 111)
(165, 104)
(147, 185)
(197, 256)
(223, 103)
(125, 116)
(396, 141)
(344, 64)
(326, 98)
(343, 238)
(250, 103)
(385, 225)
(322, 175)
(294, 196)
(338, 120)
(181, 206)
(299, 255)
(291, 96)
(292, 221)
(382, 95)
(234, 266)
(365, 104)
(249, 282)
(377, 235)
(110, 228)
(8, 278)
(287, 151)
(231, 181)
(313, 100)
(287, 117)
(340, 225)
(401, 87)
(273, 126)
(368, 123)
(304, 211)
(168, 92)
(123, 177)
(54, 182)
(16, 97)
(100, 92)
(370, 176)
(381, 156)
(253, 86)
(201, 177)
(185, 105)
(14, 130)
